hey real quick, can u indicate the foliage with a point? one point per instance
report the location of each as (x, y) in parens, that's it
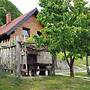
(60, 56)
(66, 28)
(7, 6)
(30, 40)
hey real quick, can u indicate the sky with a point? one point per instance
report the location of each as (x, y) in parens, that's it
(25, 5)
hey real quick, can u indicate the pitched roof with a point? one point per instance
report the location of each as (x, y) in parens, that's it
(8, 28)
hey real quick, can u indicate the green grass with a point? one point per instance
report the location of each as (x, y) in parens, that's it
(82, 74)
(45, 83)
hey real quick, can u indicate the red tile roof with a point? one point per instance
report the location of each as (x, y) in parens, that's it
(16, 22)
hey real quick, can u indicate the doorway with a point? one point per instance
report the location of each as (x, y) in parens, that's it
(31, 64)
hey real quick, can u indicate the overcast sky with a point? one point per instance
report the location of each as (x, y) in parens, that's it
(25, 5)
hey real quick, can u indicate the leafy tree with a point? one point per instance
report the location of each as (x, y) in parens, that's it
(66, 28)
(9, 7)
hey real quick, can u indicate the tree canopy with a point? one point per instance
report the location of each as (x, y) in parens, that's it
(67, 28)
(9, 7)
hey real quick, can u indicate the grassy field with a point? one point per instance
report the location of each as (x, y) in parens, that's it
(44, 83)
(84, 74)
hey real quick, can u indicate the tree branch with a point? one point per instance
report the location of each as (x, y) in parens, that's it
(66, 57)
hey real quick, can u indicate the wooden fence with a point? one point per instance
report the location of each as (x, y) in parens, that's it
(11, 58)
(8, 57)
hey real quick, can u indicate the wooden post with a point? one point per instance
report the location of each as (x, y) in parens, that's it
(26, 58)
(14, 49)
(18, 57)
(0, 56)
(25, 54)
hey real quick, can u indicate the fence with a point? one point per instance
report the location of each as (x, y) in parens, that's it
(8, 58)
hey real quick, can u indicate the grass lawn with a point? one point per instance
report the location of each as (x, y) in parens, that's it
(82, 74)
(45, 83)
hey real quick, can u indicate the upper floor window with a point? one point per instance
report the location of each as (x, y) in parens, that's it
(26, 32)
(39, 33)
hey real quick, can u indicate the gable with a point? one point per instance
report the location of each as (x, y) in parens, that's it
(8, 29)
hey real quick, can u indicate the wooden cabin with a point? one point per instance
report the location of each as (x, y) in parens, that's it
(25, 59)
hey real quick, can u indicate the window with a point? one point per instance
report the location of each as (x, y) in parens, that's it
(26, 32)
(39, 33)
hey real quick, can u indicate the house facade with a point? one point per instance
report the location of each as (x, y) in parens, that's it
(18, 56)
(24, 23)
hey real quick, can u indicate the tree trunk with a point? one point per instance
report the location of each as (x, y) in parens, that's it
(53, 63)
(87, 65)
(71, 71)
(70, 64)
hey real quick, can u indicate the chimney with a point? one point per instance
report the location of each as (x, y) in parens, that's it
(8, 18)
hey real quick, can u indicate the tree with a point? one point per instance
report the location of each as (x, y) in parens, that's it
(66, 26)
(9, 7)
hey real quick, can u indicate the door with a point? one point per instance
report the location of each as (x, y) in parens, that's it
(31, 60)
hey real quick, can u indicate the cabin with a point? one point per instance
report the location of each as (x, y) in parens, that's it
(15, 54)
